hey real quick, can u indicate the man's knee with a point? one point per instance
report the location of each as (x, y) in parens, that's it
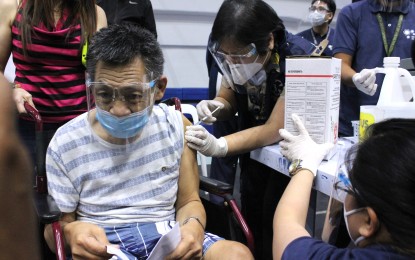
(225, 249)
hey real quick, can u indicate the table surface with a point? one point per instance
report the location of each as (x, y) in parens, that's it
(271, 156)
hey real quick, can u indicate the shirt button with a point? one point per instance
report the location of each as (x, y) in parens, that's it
(389, 24)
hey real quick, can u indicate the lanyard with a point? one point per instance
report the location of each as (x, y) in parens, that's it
(314, 37)
(390, 48)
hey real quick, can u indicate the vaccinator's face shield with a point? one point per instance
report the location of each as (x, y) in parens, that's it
(239, 65)
(123, 109)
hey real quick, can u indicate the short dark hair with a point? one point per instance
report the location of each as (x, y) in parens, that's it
(383, 174)
(331, 5)
(121, 44)
(245, 22)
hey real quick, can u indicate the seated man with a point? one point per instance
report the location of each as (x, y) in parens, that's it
(121, 173)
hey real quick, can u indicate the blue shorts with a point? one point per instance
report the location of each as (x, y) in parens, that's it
(137, 240)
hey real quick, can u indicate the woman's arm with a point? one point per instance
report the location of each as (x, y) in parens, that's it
(8, 10)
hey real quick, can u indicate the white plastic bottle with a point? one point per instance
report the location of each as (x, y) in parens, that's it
(398, 83)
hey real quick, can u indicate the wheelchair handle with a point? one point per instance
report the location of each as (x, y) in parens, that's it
(35, 115)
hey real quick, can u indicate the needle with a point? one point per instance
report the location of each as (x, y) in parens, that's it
(206, 117)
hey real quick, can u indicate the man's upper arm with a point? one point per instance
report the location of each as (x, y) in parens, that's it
(8, 9)
(188, 175)
(345, 38)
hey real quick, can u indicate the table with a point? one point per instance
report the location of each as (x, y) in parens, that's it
(326, 172)
(271, 157)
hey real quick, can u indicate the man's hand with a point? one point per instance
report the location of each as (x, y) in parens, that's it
(205, 108)
(365, 81)
(191, 244)
(198, 138)
(86, 240)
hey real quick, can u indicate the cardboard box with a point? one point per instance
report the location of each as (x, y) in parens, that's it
(312, 90)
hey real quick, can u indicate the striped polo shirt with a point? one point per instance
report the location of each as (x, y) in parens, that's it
(52, 71)
(111, 184)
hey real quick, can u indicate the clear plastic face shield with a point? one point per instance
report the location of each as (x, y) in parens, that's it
(341, 188)
(239, 65)
(121, 110)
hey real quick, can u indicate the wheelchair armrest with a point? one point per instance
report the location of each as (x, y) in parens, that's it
(46, 208)
(214, 186)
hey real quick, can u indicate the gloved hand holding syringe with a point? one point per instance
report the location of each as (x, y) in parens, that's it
(206, 117)
(200, 139)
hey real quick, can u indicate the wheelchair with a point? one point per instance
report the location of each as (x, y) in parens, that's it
(48, 212)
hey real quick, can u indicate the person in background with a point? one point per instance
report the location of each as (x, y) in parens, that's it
(137, 12)
(375, 186)
(249, 44)
(366, 32)
(18, 236)
(321, 14)
(121, 172)
(46, 39)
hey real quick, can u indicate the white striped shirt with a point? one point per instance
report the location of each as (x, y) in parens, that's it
(108, 184)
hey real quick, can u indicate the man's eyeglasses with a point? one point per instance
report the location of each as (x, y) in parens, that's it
(132, 94)
(319, 9)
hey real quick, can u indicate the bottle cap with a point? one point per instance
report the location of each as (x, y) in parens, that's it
(392, 60)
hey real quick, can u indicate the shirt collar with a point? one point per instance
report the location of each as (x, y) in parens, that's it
(375, 7)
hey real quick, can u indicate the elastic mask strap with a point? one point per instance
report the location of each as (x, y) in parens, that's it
(350, 212)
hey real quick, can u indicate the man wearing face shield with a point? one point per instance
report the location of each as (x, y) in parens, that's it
(366, 32)
(121, 173)
(249, 44)
(320, 15)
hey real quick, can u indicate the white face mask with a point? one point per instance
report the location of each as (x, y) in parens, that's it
(316, 18)
(348, 213)
(241, 73)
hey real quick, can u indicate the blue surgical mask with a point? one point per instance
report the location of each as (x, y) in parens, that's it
(123, 127)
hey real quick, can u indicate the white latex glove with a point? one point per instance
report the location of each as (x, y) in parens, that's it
(365, 81)
(198, 138)
(303, 147)
(204, 109)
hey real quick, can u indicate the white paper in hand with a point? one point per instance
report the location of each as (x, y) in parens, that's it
(167, 243)
(117, 253)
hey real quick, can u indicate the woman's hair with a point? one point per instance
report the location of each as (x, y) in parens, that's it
(120, 44)
(382, 173)
(245, 22)
(36, 12)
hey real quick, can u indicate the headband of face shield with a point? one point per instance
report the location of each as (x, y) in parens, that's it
(135, 97)
(241, 66)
